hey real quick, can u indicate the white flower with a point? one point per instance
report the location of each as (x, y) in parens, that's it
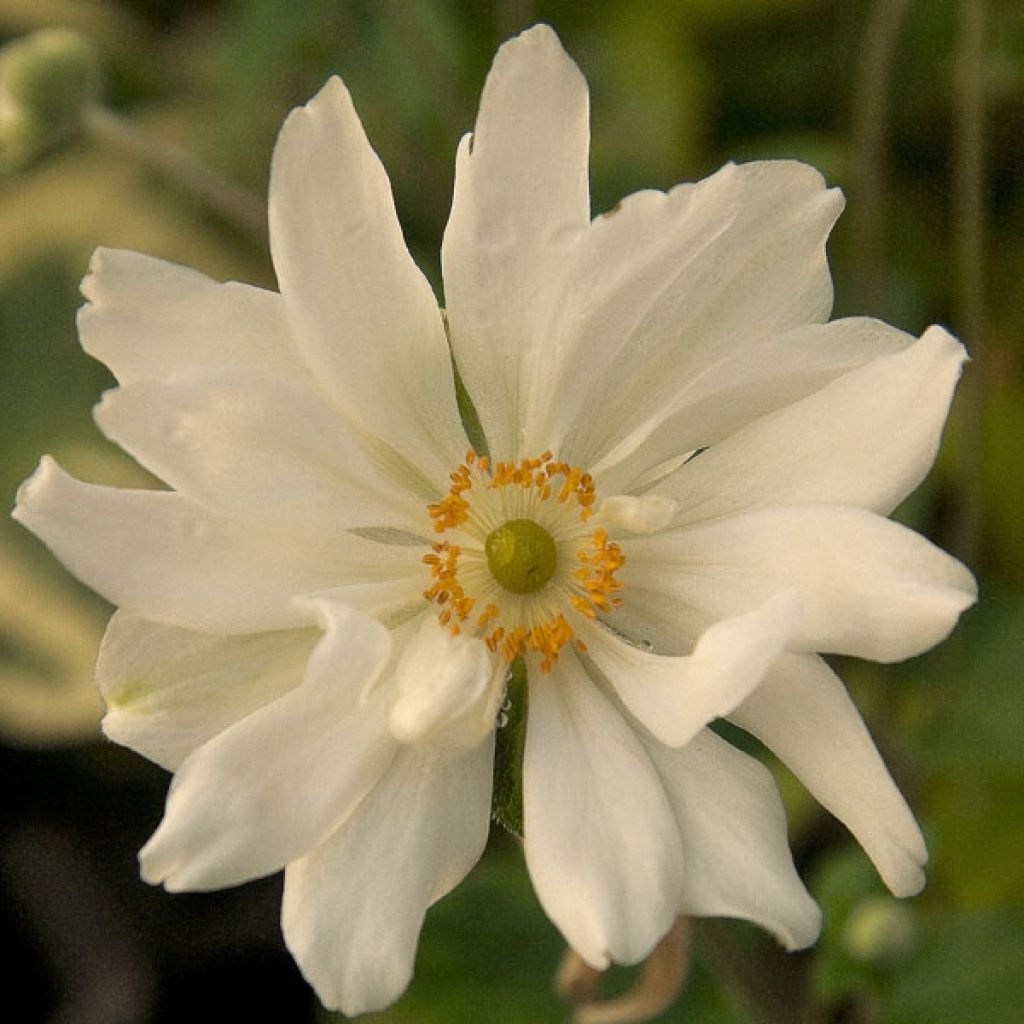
(685, 499)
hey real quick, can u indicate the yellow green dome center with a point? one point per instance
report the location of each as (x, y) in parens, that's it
(521, 556)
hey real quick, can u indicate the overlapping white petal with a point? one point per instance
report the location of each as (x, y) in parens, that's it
(447, 688)
(869, 586)
(163, 557)
(275, 784)
(651, 620)
(675, 697)
(663, 297)
(391, 599)
(732, 826)
(730, 387)
(646, 513)
(168, 690)
(353, 907)
(867, 439)
(600, 838)
(668, 289)
(803, 713)
(258, 449)
(148, 319)
(521, 200)
(362, 313)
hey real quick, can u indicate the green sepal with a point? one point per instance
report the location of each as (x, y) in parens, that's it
(468, 414)
(467, 410)
(507, 795)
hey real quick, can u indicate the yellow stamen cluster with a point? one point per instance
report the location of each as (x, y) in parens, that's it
(547, 640)
(539, 474)
(590, 589)
(536, 474)
(596, 576)
(446, 589)
(453, 509)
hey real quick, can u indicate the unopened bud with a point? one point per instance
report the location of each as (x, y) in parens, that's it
(20, 139)
(881, 931)
(47, 81)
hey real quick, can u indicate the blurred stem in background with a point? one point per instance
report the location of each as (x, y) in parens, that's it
(870, 106)
(230, 201)
(969, 253)
(660, 982)
(869, 162)
(51, 85)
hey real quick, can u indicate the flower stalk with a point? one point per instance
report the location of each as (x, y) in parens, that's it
(661, 980)
(869, 144)
(51, 84)
(230, 201)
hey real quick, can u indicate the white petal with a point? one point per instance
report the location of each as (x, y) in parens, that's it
(733, 829)
(803, 713)
(362, 313)
(668, 295)
(448, 688)
(869, 586)
(392, 600)
(647, 514)
(521, 197)
(261, 449)
(353, 908)
(601, 842)
(267, 790)
(734, 386)
(866, 439)
(170, 690)
(152, 320)
(676, 697)
(164, 558)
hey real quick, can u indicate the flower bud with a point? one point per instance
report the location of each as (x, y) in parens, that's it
(47, 81)
(881, 931)
(20, 139)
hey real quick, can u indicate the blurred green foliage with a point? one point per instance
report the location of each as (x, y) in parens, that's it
(679, 86)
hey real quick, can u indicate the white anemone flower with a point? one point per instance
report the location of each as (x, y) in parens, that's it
(681, 503)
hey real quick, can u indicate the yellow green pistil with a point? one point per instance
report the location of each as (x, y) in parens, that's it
(521, 556)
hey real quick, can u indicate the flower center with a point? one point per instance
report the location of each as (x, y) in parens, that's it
(521, 555)
(520, 562)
